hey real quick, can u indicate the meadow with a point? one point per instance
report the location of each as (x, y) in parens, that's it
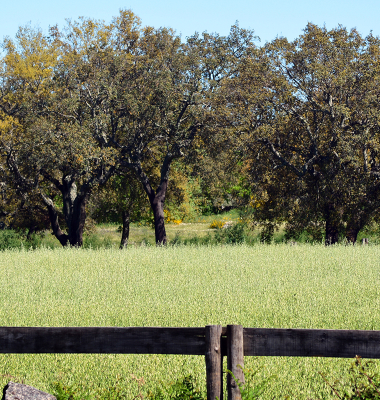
(283, 286)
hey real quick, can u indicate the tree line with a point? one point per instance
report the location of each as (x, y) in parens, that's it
(103, 116)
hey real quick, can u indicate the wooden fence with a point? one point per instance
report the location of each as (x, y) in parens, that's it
(213, 341)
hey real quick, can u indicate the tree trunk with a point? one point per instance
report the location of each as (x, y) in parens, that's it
(332, 233)
(77, 220)
(157, 199)
(31, 231)
(332, 225)
(352, 234)
(125, 232)
(53, 216)
(159, 219)
(75, 216)
(355, 224)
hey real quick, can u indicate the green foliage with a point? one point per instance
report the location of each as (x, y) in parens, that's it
(119, 389)
(95, 241)
(251, 389)
(312, 232)
(312, 146)
(10, 239)
(184, 196)
(66, 392)
(234, 234)
(183, 389)
(121, 193)
(363, 383)
(193, 241)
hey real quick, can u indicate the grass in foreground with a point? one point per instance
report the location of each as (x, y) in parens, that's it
(259, 286)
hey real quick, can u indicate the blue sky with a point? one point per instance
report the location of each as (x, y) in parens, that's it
(269, 18)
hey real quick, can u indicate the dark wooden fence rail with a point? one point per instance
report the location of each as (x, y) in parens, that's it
(214, 342)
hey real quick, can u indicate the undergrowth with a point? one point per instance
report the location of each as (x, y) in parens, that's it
(11, 239)
(362, 384)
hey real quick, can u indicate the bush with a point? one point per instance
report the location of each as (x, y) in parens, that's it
(234, 234)
(10, 239)
(182, 389)
(251, 389)
(216, 224)
(95, 241)
(363, 383)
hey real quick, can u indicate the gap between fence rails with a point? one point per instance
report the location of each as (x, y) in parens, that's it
(213, 341)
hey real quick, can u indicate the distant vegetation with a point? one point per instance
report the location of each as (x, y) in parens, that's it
(120, 123)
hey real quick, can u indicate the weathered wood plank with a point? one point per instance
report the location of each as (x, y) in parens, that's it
(311, 343)
(214, 362)
(152, 340)
(235, 358)
(113, 340)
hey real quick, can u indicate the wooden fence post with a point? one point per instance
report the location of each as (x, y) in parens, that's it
(235, 358)
(214, 362)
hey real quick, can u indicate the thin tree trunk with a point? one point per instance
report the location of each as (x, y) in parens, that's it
(125, 232)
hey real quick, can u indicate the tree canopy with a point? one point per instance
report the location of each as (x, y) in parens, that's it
(308, 112)
(292, 127)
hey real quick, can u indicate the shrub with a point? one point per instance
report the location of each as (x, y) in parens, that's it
(10, 239)
(94, 241)
(216, 224)
(251, 389)
(183, 389)
(233, 234)
(363, 383)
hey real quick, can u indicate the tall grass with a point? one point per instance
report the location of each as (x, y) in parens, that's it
(266, 286)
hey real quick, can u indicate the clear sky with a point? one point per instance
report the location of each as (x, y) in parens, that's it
(268, 18)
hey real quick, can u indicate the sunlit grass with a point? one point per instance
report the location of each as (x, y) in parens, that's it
(259, 286)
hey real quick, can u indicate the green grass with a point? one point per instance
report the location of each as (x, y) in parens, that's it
(266, 286)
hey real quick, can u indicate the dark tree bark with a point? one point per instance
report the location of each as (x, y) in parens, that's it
(332, 225)
(332, 233)
(75, 221)
(352, 234)
(53, 216)
(78, 220)
(125, 231)
(357, 221)
(74, 210)
(157, 198)
(157, 203)
(74, 205)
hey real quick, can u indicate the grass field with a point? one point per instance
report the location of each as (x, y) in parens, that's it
(283, 286)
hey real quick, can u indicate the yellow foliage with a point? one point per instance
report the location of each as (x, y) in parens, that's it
(169, 218)
(216, 224)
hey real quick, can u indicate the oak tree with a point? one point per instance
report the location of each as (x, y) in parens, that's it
(308, 114)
